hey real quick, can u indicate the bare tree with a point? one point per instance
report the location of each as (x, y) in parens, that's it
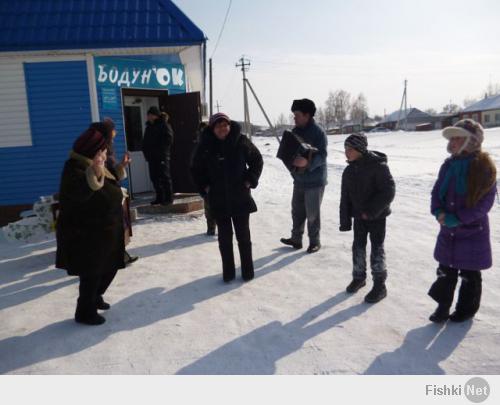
(451, 108)
(337, 107)
(359, 109)
(281, 121)
(431, 111)
(469, 101)
(329, 111)
(320, 117)
(493, 89)
(291, 119)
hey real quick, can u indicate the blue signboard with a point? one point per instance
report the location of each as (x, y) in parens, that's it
(112, 72)
(109, 97)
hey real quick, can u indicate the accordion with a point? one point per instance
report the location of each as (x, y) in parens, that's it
(293, 146)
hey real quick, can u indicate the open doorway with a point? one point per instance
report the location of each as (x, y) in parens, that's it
(184, 111)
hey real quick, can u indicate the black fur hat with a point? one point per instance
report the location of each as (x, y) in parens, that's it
(305, 106)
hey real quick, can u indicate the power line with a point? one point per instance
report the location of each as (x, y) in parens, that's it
(222, 28)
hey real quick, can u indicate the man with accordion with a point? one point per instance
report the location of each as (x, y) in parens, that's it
(304, 153)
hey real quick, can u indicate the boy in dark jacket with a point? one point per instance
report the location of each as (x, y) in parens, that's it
(367, 192)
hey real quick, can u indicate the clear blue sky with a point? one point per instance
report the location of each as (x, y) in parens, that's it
(448, 50)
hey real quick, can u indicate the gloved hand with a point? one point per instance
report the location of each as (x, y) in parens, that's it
(451, 221)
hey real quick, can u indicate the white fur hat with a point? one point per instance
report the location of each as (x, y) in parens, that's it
(469, 129)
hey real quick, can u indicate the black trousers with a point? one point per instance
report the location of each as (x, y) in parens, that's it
(208, 215)
(225, 236)
(159, 173)
(376, 231)
(469, 295)
(91, 290)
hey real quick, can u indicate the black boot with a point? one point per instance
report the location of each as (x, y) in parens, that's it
(95, 319)
(441, 314)
(101, 304)
(314, 247)
(129, 259)
(291, 242)
(469, 296)
(88, 315)
(355, 285)
(210, 231)
(247, 271)
(377, 293)
(461, 316)
(228, 267)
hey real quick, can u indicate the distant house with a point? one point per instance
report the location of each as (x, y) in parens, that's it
(486, 111)
(446, 120)
(350, 127)
(413, 117)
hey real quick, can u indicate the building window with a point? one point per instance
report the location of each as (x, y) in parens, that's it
(497, 117)
(475, 117)
(486, 118)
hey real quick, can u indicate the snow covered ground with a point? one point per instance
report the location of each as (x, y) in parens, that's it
(172, 314)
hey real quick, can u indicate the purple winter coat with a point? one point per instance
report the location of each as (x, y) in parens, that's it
(467, 246)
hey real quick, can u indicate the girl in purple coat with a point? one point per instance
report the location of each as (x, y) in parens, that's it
(461, 199)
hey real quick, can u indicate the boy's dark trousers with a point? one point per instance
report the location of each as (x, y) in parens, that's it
(159, 173)
(91, 289)
(469, 295)
(225, 236)
(376, 230)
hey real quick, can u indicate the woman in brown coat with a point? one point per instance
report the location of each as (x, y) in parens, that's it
(90, 240)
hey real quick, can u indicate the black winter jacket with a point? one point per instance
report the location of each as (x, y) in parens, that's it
(367, 188)
(90, 238)
(158, 140)
(224, 167)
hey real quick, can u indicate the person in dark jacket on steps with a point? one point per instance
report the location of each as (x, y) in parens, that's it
(90, 238)
(309, 178)
(225, 166)
(367, 192)
(156, 146)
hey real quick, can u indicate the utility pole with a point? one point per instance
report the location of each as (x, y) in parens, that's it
(211, 110)
(245, 64)
(404, 102)
(218, 106)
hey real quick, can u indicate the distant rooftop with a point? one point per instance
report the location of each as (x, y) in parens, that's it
(490, 103)
(410, 113)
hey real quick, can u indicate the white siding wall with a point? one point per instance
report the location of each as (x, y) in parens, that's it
(191, 58)
(14, 118)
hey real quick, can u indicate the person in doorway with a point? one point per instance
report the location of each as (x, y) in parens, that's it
(156, 146)
(462, 196)
(309, 178)
(90, 240)
(367, 192)
(225, 166)
(119, 170)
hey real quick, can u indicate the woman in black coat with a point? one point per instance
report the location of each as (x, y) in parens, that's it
(226, 165)
(90, 240)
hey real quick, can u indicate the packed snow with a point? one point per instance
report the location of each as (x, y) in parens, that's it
(172, 314)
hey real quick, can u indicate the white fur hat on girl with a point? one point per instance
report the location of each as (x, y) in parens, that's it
(469, 129)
